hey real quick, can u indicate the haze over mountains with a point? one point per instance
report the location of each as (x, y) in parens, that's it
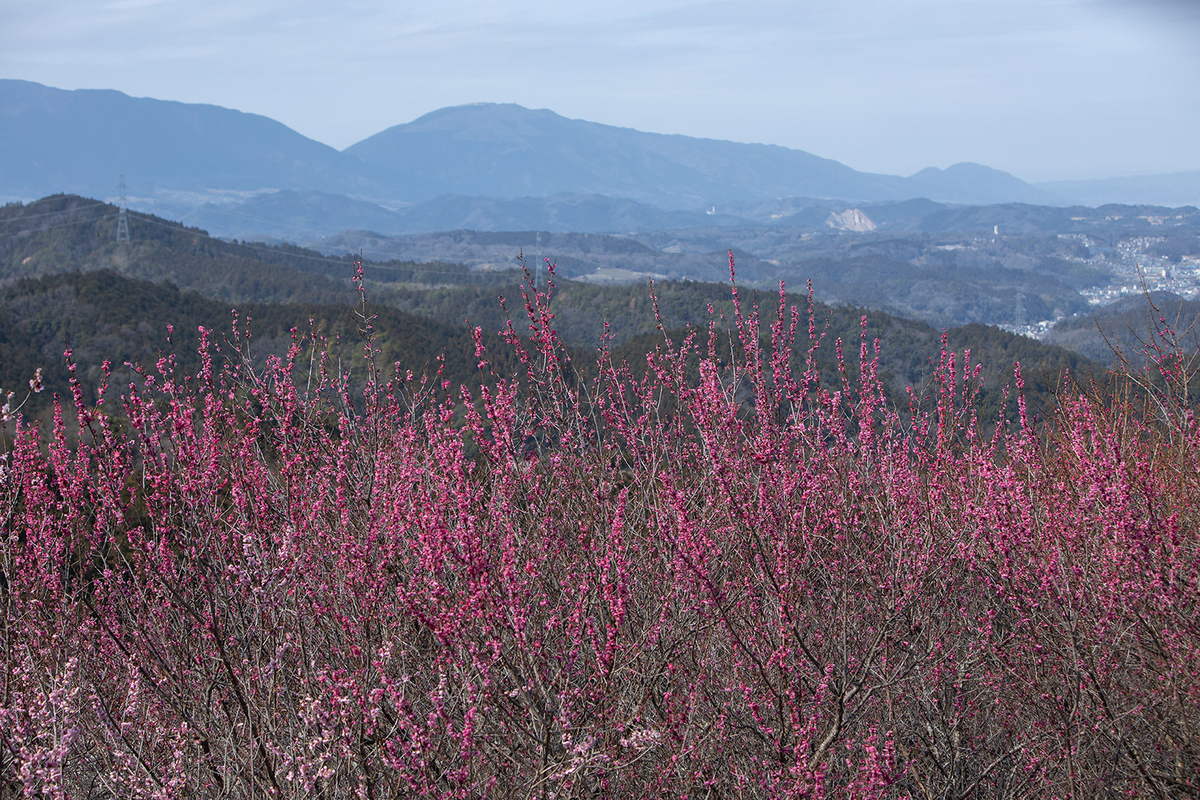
(483, 165)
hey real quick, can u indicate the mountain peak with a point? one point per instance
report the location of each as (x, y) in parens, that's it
(500, 122)
(507, 150)
(971, 183)
(962, 168)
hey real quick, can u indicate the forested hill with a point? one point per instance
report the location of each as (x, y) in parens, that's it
(1132, 326)
(105, 316)
(67, 233)
(102, 316)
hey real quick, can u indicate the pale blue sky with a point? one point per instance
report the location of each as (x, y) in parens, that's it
(1041, 88)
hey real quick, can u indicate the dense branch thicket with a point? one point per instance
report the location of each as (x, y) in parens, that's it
(730, 581)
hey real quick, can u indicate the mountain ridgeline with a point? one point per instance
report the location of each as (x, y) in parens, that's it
(178, 154)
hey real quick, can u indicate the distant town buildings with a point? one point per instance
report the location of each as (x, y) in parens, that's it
(1135, 269)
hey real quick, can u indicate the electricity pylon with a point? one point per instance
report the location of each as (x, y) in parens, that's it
(122, 217)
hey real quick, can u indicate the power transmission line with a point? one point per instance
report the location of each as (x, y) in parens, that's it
(59, 225)
(52, 213)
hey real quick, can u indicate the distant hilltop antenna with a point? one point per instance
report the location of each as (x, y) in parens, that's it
(122, 217)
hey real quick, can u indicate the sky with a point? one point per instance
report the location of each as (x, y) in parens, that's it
(1045, 89)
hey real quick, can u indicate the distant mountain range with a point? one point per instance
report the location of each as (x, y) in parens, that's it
(1173, 189)
(302, 216)
(482, 165)
(309, 217)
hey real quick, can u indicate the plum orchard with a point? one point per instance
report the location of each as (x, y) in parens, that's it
(255, 582)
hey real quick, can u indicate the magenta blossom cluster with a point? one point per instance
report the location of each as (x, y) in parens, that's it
(734, 577)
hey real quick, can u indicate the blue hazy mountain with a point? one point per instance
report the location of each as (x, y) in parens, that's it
(505, 150)
(53, 140)
(293, 215)
(1171, 189)
(300, 216)
(975, 184)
